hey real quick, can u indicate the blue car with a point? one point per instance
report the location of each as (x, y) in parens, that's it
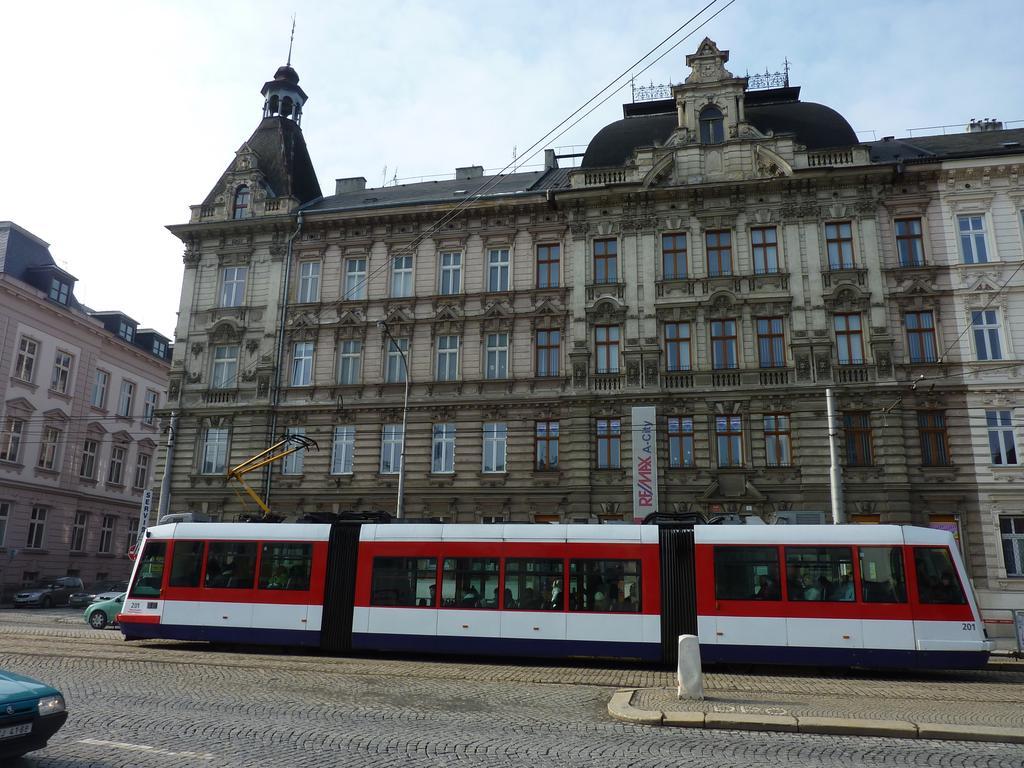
(30, 713)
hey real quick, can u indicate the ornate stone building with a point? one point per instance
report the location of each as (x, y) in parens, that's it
(721, 255)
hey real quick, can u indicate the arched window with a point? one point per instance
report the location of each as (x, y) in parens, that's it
(241, 207)
(274, 104)
(286, 106)
(712, 127)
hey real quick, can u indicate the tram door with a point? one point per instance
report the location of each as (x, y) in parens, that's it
(678, 590)
(340, 587)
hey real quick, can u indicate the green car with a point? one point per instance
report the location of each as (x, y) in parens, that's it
(30, 713)
(98, 615)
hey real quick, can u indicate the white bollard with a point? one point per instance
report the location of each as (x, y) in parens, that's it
(690, 675)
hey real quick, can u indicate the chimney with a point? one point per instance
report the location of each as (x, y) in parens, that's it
(469, 172)
(550, 161)
(354, 184)
(993, 125)
(975, 126)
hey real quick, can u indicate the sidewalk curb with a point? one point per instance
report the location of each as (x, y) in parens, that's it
(620, 707)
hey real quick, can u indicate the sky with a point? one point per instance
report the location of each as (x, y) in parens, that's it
(126, 113)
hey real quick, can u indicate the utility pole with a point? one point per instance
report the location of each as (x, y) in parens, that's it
(405, 412)
(165, 483)
(835, 472)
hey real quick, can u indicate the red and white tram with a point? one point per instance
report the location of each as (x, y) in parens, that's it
(824, 595)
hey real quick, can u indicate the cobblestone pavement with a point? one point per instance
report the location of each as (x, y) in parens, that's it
(174, 704)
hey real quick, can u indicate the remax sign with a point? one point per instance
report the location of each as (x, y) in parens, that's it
(645, 462)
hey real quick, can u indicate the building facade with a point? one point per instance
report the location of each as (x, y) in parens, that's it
(78, 440)
(722, 256)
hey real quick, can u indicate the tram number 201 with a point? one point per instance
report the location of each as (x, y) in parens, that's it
(968, 626)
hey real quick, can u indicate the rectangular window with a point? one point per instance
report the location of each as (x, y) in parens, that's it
(5, 514)
(718, 243)
(604, 585)
(391, 449)
(920, 336)
(232, 287)
(404, 582)
(857, 427)
(723, 344)
(549, 352)
(534, 585)
(777, 440)
(609, 443)
(149, 406)
(350, 355)
(401, 276)
(931, 426)
(343, 450)
(126, 400)
(443, 449)
(49, 448)
(881, 575)
(497, 356)
(230, 565)
(1011, 531)
(839, 243)
(25, 363)
(447, 368)
(771, 343)
(937, 581)
(90, 452)
(729, 438)
(215, 451)
(1001, 441)
(355, 279)
(546, 446)
(115, 470)
(495, 446)
(309, 282)
(987, 342)
(59, 291)
(107, 534)
(909, 242)
(302, 363)
(764, 244)
(747, 573)
(60, 379)
(680, 442)
(451, 273)
(141, 479)
(133, 535)
(677, 347)
(292, 464)
(849, 341)
(100, 384)
(972, 239)
(470, 583)
(497, 269)
(606, 261)
(186, 563)
(548, 265)
(36, 528)
(673, 257)
(126, 331)
(10, 440)
(820, 574)
(78, 532)
(397, 369)
(225, 366)
(286, 566)
(150, 572)
(606, 342)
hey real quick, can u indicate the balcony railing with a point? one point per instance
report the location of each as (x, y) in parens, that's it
(773, 377)
(854, 374)
(219, 396)
(677, 380)
(606, 382)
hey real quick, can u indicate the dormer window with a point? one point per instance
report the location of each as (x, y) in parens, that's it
(59, 291)
(241, 206)
(159, 348)
(712, 125)
(126, 331)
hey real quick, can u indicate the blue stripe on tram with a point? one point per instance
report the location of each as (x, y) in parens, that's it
(841, 657)
(241, 635)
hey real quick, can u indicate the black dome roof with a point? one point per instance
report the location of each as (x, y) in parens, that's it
(288, 74)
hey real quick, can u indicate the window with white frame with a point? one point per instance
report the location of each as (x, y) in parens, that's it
(302, 363)
(496, 356)
(292, 463)
(60, 380)
(343, 449)
(987, 341)
(10, 439)
(36, 528)
(355, 279)
(107, 534)
(126, 400)
(25, 362)
(90, 456)
(447, 368)
(443, 449)
(115, 469)
(142, 462)
(149, 406)
(971, 229)
(401, 276)
(1011, 531)
(497, 269)
(232, 286)
(309, 282)
(126, 331)
(60, 291)
(1002, 443)
(78, 529)
(451, 273)
(225, 366)
(396, 371)
(100, 384)
(391, 449)
(49, 449)
(495, 446)
(350, 355)
(215, 451)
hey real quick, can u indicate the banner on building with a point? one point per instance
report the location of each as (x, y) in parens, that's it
(645, 462)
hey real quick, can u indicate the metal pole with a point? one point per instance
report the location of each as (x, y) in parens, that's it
(165, 482)
(835, 472)
(405, 413)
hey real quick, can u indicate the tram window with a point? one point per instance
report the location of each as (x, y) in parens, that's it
(747, 573)
(820, 574)
(470, 582)
(604, 585)
(231, 564)
(150, 573)
(186, 563)
(534, 585)
(285, 566)
(881, 575)
(404, 581)
(937, 583)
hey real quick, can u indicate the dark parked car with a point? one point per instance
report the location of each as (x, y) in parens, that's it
(105, 590)
(46, 594)
(30, 713)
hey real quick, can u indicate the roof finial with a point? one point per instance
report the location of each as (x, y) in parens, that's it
(290, 41)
